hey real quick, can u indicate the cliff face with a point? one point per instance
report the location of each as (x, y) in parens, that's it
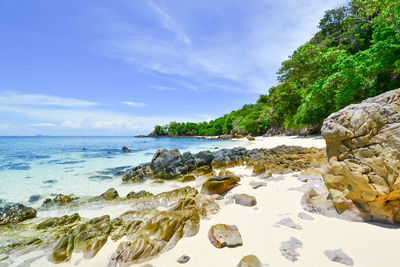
(363, 147)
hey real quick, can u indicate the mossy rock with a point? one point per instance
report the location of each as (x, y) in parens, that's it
(219, 185)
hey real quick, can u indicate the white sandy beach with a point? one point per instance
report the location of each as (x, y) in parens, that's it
(367, 244)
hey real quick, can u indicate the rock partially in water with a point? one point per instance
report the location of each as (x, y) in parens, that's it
(339, 256)
(138, 174)
(183, 259)
(15, 214)
(245, 200)
(34, 198)
(288, 249)
(125, 149)
(110, 194)
(221, 235)
(58, 221)
(250, 261)
(62, 199)
(160, 233)
(140, 194)
(168, 164)
(87, 237)
(219, 184)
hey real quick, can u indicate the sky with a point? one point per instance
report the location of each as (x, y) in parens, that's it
(100, 67)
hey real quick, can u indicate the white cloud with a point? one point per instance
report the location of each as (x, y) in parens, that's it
(241, 60)
(12, 98)
(135, 104)
(43, 124)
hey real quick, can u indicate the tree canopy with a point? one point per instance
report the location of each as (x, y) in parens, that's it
(354, 55)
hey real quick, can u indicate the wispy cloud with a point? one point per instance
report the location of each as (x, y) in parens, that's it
(135, 104)
(243, 57)
(169, 23)
(43, 124)
(12, 98)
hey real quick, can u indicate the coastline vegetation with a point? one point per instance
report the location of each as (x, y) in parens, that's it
(354, 55)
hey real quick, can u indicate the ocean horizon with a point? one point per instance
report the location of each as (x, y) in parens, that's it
(33, 168)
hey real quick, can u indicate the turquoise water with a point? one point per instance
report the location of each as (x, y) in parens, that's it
(83, 166)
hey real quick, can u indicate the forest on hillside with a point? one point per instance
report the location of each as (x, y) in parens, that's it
(354, 55)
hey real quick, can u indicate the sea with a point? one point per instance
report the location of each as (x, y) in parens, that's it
(35, 168)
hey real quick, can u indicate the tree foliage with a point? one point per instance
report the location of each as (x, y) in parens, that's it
(354, 55)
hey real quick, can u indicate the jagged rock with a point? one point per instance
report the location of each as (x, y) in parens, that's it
(87, 237)
(338, 255)
(160, 233)
(288, 249)
(305, 216)
(167, 164)
(15, 214)
(138, 174)
(183, 259)
(203, 158)
(256, 185)
(249, 261)
(125, 149)
(140, 194)
(58, 221)
(221, 235)
(110, 194)
(245, 200)
(288, 223)
(62, 199)
(219, 184)
(363, 146)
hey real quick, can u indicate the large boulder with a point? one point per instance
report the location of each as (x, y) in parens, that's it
(363, 146)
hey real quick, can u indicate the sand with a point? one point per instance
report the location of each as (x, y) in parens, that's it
(367, 244)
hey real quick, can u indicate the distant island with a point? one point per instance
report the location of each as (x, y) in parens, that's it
(353, 56)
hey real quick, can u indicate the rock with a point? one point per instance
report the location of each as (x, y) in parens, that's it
(34, 198)
(288, 249)
(259, 168)
(338, 255)
(138, 174)
(363, 146)
(62, 199)
(188, 178)
(219, 184)
(161, 232)
(87, 237)
(221, 235)
(250, 261)
(251, 138)
(3, 256)
(110, 194)
(217, 197)
(140, 194)
(245, 200)
(256, 185)
(125, 149)
(305, 216)
(15, 214)
(183, 259)
(288, 223)
(58, 221)
(203, 158)
(225, 173)
(168, 164)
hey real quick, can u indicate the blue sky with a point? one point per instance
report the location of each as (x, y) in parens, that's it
(97, 67)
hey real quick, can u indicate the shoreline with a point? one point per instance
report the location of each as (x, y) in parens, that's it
(279, 199)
